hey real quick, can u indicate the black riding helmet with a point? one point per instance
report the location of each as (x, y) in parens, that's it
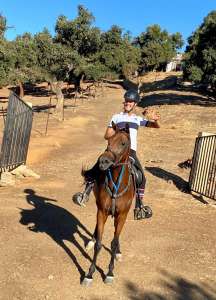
(132, 95)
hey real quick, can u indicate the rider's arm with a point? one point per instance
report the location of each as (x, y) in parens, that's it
(153, 118)
(153, 124)
(109, 132)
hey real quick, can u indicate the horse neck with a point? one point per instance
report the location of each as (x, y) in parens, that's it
(123, 162)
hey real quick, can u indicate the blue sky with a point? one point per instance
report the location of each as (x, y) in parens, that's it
(134, 15)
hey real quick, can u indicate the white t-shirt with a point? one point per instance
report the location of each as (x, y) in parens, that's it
(134, 123)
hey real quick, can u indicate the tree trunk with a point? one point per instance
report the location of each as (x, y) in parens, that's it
(21, 89)
(59, 110)
(78, 82)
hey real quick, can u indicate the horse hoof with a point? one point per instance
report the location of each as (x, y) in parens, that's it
(87, 281)
(109, 279)
(118, 257)
(90, 245)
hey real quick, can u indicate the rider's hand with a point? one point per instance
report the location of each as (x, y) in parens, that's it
(151, 114)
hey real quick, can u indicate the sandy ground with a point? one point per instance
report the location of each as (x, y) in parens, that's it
(42, 233)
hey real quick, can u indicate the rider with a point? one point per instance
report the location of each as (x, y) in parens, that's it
(131, 99)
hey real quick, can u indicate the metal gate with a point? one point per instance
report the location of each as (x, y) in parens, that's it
(203, 172)
(16, 133)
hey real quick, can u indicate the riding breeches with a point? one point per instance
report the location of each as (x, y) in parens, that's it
(141, 187)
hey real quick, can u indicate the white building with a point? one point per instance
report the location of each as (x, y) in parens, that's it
(175, 64)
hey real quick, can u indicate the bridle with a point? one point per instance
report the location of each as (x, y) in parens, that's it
(114, 192)
(117, 163)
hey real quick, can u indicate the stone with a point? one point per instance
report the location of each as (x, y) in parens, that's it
(24, 171)
(29, 173)
(7, 179)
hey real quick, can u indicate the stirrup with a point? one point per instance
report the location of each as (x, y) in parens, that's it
(142, 212)
(80, 199)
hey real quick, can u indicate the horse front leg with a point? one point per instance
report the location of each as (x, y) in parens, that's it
(115, 246)
(92, 242)
(101, 219)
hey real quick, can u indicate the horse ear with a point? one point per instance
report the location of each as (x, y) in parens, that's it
(114, 126)
(127, 128)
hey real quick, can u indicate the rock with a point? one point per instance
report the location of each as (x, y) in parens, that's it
(18, 171)
(24, 171)
(29, 173)
(7, 179)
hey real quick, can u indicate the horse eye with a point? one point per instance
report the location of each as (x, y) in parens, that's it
(123, 143)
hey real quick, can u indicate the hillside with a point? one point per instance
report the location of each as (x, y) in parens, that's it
(170, 256)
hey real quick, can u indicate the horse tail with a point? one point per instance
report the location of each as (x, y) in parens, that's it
(84, 171)
(87, 174)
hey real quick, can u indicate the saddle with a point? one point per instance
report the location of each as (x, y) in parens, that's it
(137, 174)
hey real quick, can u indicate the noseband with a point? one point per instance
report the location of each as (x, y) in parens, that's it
(108, 149)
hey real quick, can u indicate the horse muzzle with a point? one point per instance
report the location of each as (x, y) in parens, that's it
(105, 162)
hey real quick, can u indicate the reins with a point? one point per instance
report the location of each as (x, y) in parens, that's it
(114, 191)
(116, 185)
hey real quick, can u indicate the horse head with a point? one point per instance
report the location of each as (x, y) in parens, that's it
(118, 148)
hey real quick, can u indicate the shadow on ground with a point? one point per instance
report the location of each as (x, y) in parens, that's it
(177, 287)
(175, 99)
(167, 84)
(58, 223)
(3, 99)
(163, 84)
(32, 90)
(180, 183)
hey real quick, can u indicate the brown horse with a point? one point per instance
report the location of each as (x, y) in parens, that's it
(114, 191)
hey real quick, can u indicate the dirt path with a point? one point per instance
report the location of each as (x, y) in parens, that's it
(42, 233)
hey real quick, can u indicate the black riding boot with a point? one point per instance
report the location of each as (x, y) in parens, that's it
(90, 177)
(82, 198)
(141, 211)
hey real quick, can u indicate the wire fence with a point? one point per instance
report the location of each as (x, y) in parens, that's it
(17, 131)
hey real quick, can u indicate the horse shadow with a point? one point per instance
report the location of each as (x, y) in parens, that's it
(58, 223)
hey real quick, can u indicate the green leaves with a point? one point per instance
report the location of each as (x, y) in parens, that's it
(118, 54)
(200, 62)
(79, 34)
(81, 50)
(195, 74)
(157, 47)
